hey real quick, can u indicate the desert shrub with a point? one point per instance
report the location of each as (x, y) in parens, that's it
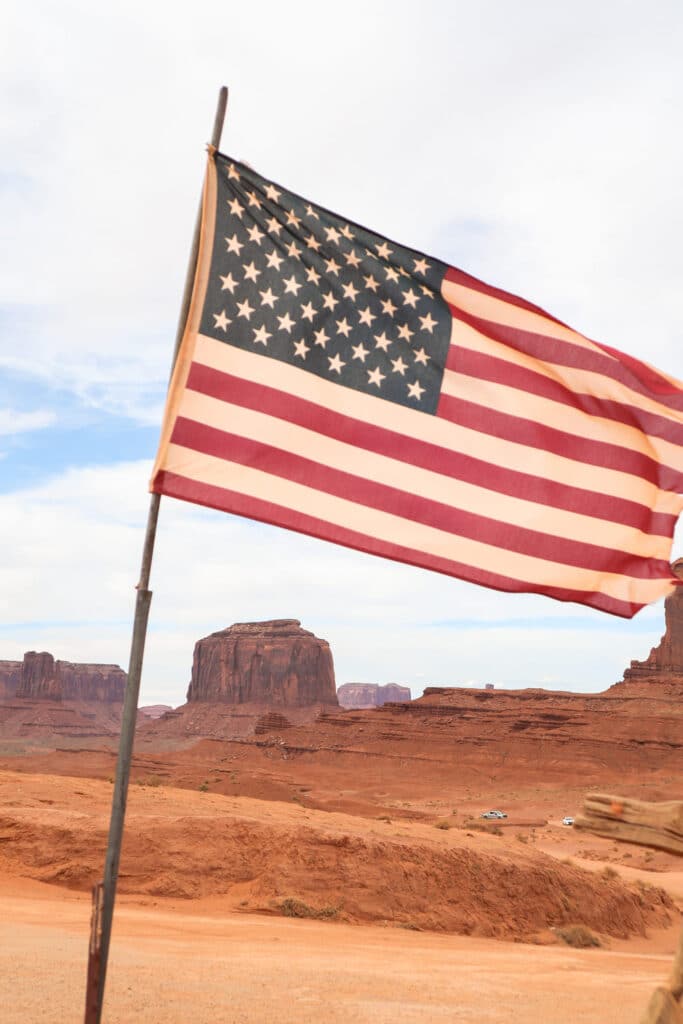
(204, 786)
(443, 824)
(578, 936)
(609, 873)
(522, 837)
(297, 908)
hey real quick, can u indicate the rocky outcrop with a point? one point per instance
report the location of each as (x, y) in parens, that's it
(371, 695)
(10, 677)
(153, 711)
(665, 660)
(43, 678)
(275, 663)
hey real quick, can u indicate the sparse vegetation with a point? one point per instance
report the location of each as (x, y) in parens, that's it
(522, 837)
(443, 824)
(297, 908)
(204, 786)
(609, 873)
(578, 936)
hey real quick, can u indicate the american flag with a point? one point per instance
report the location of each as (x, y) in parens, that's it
(336, 383)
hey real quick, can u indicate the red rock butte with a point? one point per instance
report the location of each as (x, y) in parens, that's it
(40, 677)
(663, 668)
(276, 663)
(371, 695)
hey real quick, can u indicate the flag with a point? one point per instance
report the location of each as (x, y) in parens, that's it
(336, 383)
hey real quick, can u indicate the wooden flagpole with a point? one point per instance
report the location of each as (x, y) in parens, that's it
(101, 928)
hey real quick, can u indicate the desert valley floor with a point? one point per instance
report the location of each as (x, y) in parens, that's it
(339, 870)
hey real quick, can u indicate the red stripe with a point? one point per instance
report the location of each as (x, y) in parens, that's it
(498, 370)
(275, 461)
(412, 451)
(227, 500)
(628, 370)
(559, 442)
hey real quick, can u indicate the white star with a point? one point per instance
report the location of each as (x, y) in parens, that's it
(343, 327)
(426, 290)
(245, 309)
(272, 193)
(350, 292)
(399, 366)
(382, 341)
(313, 243)
(384, 251)
(415, 390)
(351, 259)
(312, 275)
(235, 208)
(268, 298)
(273, 260)
(388, 307)
(332, 267)
(405, 332)
(250, 272)
(403, 272)
(332, 235)
(292, 285)
(254, 199)
(221, 320)
(392, 275)
(301, 348)
(232, 172)
(329, 301)
(229, 282)
(410, 298)
(335, 363)
(286, 323)
(292, 219)
(234, 245)
(360, 351)
(366, 317)
(421, 266)
(254, 234)
(421, 356)
(376, 377)
(274, 225)
(307, 311)
(427, 323)
(320, 338)
(311, 212)
(261, 336)
(293, 250)
(371, 283)
(346, 232)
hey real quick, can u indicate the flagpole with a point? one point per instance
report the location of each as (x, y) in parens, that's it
(104, 894)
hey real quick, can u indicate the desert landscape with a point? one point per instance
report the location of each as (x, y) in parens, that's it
(294, 855)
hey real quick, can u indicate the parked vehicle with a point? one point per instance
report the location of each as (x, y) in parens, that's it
(494, 814)
(567, 821)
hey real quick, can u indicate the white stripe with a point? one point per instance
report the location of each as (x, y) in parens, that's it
(430, 429)
(410, 479)
(393, 529)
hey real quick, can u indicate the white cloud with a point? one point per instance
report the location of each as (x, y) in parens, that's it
(14, 422)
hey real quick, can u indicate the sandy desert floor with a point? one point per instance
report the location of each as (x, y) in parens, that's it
(173, 964)
(198, 934)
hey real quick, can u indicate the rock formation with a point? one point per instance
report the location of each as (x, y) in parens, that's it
(276, 663)
(10, 677)
(371, 695)
(153, 711)
(665, 662)
(43, 678)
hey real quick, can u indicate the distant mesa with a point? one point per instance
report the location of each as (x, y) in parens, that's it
(356, 696)
(153, 711)
(275, 663)
(40, 677)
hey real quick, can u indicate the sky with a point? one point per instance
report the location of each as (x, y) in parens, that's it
(534, 145)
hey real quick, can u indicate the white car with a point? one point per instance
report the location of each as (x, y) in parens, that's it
(494, 814)
(567, 821)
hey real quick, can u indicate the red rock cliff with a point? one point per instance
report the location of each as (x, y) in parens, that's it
(43, 678)
(10, 677)
(274, 662)
(665, 662)
(371, 695)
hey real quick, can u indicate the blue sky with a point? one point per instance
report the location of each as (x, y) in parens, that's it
(536, 146)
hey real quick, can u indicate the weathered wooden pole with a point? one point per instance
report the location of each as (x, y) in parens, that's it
(101, 934)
